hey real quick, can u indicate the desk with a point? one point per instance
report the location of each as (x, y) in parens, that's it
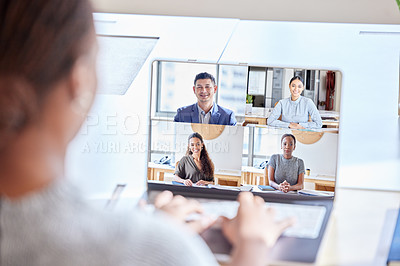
(157, 172)
(248, 176)
(330, 119)
(325, 183)
(330, 123)
(258, 116)
(254, 176)
(230, 178)
(358, 232)
(248, 119)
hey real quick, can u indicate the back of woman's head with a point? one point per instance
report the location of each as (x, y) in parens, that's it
(40, 41)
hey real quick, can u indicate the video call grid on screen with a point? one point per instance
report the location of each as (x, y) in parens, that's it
(172, 88)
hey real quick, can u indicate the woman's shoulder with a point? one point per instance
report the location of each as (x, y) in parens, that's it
(185, 158)
(274, 157)
(306, 100)
(298, 159)
(285, 100)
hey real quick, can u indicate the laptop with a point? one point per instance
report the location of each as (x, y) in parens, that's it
(297, 244)
(248, 146)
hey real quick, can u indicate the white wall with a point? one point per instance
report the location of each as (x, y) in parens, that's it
(320, 157)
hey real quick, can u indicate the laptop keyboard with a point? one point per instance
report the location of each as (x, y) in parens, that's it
(309, 218)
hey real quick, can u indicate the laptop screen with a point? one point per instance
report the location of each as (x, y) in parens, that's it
(247, 138)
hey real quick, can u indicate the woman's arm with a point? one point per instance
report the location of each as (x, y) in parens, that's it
(204, 183)
(300, 183)
(315, 116)
(176, 178)
(275, 114)
(284, 186)
(180, 171)
(293, 125)
(186, 182)
(271, 177)
(300, 179)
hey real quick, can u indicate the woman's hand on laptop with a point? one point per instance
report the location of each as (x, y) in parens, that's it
(254, 222)
(181, 209)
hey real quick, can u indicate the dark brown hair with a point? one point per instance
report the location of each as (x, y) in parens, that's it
(207, 166)
(296, 77)
(289, 135)
(40, 41)
(204, 75)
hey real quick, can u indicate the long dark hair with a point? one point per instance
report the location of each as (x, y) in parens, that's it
(40, 41)
(207, 166)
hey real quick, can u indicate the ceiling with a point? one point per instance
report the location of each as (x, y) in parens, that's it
(341, 11)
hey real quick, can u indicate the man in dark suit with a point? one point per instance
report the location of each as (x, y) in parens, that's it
(205, 111)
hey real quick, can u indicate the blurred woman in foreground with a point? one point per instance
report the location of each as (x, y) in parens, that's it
(47, 85)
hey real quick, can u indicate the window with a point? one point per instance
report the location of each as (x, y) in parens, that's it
(175, 84)
(120, 60)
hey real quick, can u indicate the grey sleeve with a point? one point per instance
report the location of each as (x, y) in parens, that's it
(301, 166)
(161, 241)
(273, 118)
(272, 161)
(180, 169)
